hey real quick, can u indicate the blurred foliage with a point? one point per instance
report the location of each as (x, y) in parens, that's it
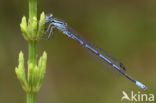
(125, 29)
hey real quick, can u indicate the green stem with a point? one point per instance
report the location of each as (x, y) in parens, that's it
(31, 32)
(32, 9)
(31, 98)
(32, 52)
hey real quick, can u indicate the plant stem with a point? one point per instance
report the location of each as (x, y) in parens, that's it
(32, 9)
(36, 71)
(32, 52)
(31, 98)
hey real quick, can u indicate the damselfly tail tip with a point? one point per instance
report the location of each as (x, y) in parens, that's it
(141, 85)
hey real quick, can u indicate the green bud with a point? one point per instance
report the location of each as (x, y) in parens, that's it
(24, 27)
(41, 24)
(20, 71)
(35, 77)
(30, 74)
(42, 68)
(34, 27)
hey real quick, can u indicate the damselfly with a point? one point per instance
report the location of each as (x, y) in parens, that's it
(63, 27)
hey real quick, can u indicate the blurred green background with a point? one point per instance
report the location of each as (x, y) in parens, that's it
(126, 29)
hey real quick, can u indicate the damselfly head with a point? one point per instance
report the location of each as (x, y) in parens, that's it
(49, 17)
